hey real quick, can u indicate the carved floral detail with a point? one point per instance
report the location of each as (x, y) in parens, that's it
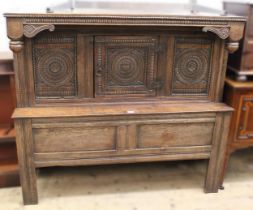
(32, 30)
(222, 32)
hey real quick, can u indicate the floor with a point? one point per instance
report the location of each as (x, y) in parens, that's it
(149, 186)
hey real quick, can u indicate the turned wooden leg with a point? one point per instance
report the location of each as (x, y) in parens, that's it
(218, 153)
(25, 158)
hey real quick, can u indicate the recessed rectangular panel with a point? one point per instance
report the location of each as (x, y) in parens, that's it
(192, 66)
(125, 65)
(174, 134)
(74, 139)
(245, 130)
(54, 65)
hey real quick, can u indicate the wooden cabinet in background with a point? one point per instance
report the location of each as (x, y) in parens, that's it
(8, 155)
(106, 89)
(240, 63)
(239, 95)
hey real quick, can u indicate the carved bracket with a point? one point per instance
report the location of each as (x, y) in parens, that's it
(222, 32)
(32, 30)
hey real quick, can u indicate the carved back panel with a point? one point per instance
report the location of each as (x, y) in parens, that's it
(192, 66)
(54, 65)
(78, 66)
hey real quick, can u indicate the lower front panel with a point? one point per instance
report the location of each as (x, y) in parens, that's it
(122, 139)
(80, 138)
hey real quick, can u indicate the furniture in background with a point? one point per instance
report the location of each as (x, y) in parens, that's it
(238, 91)
(239, 95)
(109, 88)
(8, 155)
(240, 63)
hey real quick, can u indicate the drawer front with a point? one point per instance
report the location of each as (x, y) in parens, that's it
(178, 134)
(245, 128)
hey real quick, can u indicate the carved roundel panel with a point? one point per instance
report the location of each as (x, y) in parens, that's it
(192, 66)
(126, 67)
(55, 67)
(191, 69)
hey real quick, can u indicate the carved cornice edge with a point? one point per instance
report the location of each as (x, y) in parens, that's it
(124, 16)
(31, 30)
(222, 32)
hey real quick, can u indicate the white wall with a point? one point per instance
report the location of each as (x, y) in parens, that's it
(19, 6)
(40, 6)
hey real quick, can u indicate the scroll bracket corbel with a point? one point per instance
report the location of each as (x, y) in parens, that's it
(31, 30)
(221, 32)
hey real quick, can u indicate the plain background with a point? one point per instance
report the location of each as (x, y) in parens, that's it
(41, 5)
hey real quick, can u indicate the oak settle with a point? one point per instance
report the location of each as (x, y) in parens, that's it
(104, 89)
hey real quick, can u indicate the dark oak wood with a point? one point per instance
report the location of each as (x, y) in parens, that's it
(106, 89)
(240, 64)
(8, 157)
(239, 95)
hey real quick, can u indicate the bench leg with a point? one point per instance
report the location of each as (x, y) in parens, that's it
(26, 163)
(214, 177)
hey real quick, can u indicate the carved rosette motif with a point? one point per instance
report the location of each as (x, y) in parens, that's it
(125, 65)
(54, 66)
(55, 70)
(191, 73)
